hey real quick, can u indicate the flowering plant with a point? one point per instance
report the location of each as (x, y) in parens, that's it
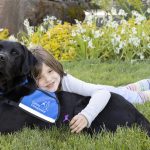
(124, 39)
(116, 39)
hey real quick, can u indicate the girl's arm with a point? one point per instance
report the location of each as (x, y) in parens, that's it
(99, 97)
(97, 103)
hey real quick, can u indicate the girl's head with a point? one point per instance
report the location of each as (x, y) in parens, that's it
(47, 71)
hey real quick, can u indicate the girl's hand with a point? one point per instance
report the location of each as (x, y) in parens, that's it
(78, 123)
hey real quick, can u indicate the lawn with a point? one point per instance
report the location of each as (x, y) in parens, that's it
(112, 73)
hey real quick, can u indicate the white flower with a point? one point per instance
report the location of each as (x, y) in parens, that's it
(123, 31)
(134, 31)
(148, 10)
(97, 33)
(73, 33)
(123, 21)
(30, 29)
(80, 30)
(86, 38)
(46, 19)
(112, 24)
(91, 16)
(42, 29)
(122, 13)
(141, 55)
(134, 13)
(49, 18)
(77, 22)
(1, 29)
(135, 41)
(12, 38)
(113, 11)
(110, 18)
(59, 22)
(51, 21)
(139, 19)
(79, 25)
(116, 39)
(117, 50)
(89, 22)
(26, 23)
(53, 18)
(122, 44)
(113, 41)
(73, 42)
(90, 44)
(143, 34)
(148, 45)
(89, 19)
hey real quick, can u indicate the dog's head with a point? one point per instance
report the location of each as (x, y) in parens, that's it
(16, 61)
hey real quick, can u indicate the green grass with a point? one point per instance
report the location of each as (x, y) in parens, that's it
(112, 73)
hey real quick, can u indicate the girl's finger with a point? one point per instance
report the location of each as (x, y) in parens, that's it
(78, 129)
(77, 123)
(73, 120)
(75, 129)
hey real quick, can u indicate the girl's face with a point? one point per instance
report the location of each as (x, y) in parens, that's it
(48, 79)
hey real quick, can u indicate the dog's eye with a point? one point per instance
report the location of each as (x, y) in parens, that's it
(14, 52)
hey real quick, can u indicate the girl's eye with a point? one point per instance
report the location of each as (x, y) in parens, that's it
(50, 71)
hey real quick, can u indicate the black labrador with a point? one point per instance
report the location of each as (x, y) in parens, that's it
(16, 63)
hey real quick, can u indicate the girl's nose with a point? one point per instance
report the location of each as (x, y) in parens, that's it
(48, 78)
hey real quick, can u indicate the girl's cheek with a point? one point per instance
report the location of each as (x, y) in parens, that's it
(38, 83)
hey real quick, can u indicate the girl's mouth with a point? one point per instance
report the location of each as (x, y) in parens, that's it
(50, 85)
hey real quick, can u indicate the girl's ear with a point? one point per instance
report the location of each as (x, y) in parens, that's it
(29, 61)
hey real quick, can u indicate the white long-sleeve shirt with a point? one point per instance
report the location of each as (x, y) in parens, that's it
(100, 95)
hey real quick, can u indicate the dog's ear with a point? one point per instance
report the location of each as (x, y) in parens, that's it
(29, 61)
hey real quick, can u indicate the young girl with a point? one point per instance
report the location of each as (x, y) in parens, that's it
(50, 76)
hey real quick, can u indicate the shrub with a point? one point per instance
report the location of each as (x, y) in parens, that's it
(53, 36)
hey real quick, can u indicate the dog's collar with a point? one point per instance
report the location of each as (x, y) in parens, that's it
(20, 84)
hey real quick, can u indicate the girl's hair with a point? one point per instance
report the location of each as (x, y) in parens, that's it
(44, 56)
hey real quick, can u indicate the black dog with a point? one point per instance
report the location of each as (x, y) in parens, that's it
(15, 82)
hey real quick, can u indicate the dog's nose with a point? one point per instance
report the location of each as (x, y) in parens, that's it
(2, 57)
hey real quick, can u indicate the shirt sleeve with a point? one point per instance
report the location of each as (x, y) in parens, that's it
(99, 97)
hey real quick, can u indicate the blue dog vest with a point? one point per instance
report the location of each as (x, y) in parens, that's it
(41, 104)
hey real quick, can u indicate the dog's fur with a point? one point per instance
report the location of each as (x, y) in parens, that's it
(16, 63)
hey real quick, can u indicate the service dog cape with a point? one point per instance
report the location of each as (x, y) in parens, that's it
(41, 104)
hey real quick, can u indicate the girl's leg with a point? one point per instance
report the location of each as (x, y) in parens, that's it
(142, 85)
(145, 96)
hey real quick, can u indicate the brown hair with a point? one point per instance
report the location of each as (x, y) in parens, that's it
(44, 56)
